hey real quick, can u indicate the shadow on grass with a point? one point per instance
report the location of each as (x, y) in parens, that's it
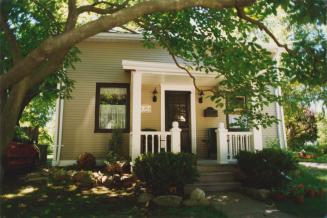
(48, 200)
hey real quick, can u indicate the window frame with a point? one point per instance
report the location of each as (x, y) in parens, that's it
(236, 112)
(97, 128)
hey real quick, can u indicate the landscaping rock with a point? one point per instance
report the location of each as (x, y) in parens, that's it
(198, 194)
(259, 194)
(168, 200)
(190, 203)
(144, 198)
(263, 194)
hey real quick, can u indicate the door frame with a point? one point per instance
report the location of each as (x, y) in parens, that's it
(190, 88)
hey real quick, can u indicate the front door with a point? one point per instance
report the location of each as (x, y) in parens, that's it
(178, 109)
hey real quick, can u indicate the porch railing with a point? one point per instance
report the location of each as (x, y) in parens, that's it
(155, 142)
(145, 142)
(229, 144)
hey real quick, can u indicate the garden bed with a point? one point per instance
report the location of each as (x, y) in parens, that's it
(312, 206)
(44, 199)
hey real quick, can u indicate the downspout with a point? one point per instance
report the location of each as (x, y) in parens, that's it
(58, 131)
(281, 123)
(281, 132)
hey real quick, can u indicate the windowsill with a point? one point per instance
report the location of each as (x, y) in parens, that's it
(111, 130)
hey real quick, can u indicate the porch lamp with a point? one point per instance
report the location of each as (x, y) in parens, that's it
(201, 94)
(154, 97)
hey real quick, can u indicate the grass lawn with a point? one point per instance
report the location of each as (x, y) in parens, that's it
(312, 207)
(48, 200)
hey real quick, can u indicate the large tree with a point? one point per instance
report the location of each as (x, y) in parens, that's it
(38, 39)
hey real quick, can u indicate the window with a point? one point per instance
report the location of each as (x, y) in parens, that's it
(112, 107)
(237, 105)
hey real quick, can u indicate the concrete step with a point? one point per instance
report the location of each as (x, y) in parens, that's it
(216, 168)
(213, 186)
(216, 177)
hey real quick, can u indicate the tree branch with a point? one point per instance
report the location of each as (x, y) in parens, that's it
(72, 15)
(11, 38)
(121, 17)
(129, 29)
(241, 14)
(112, 8)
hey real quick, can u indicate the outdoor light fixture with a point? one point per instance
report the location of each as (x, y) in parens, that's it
(201, 94)
(155, 92)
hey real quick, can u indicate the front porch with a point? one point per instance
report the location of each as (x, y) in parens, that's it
(166, 115)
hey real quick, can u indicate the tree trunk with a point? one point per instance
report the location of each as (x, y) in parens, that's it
(10, 111)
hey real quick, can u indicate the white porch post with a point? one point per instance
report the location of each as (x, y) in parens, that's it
(135, 143)
(222, 151)
(257, 138)
(175, 138)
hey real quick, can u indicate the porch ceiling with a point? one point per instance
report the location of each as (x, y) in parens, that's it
(156, 73)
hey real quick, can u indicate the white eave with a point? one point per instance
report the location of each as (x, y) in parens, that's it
(115, 37)
(160, 68)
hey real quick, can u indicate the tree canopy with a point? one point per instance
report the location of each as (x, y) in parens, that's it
(38, 39)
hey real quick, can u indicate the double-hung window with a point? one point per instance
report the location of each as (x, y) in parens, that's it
(112, 107)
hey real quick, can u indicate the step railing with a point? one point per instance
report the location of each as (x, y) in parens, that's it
(229, 144)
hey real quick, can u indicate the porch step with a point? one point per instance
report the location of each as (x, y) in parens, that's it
(202, 168)
(215, 177)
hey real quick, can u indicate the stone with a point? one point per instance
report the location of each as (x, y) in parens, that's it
(190, 203)
(204, 202)
(198, 194)
(144, 198)
(259, 194)
(168, 200)
(263, 194)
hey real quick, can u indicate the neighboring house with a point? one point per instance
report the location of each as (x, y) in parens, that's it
(121, 84)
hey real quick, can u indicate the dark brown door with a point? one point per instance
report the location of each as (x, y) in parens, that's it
(178, 109)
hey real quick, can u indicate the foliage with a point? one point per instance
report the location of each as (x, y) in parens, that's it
(22, 136)
(86, 161)
(312, 207)
(227, 41)
(116, 141)
(322, 130)
(111, 157)
(268, 168)
(163, 171)
(301, 127)
(234, 51)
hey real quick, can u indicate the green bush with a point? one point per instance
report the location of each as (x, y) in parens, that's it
(268, 168)
(164, 173)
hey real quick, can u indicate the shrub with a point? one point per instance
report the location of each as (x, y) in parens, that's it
(268, 168)
(313, 149)
(165, 173)
(111, 158)
(86, 161)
